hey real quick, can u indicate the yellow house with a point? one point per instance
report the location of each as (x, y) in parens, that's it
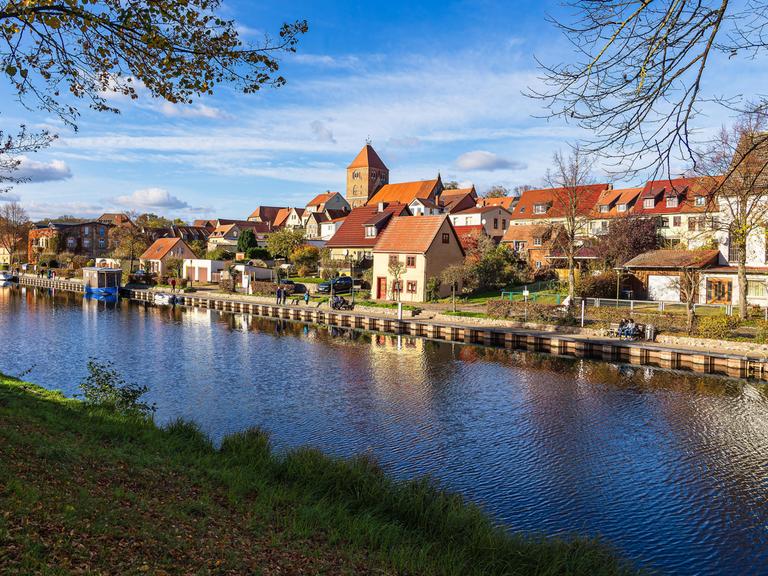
(156, 257)
(411, 251)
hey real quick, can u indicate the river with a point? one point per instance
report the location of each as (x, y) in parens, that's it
(669, 467)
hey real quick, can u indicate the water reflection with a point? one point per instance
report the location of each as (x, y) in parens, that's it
(672, 467)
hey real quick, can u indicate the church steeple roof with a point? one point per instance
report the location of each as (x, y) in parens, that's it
(367, 158)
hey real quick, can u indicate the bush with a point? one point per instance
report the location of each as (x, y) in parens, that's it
(262, 288)
(602, 285)
(105, 388)
(530, 311)
(717, 327)
(257, 254)
(762, 332)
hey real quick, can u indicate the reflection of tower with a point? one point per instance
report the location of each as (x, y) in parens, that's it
(365, 176)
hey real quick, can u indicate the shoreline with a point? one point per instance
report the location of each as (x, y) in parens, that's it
(303, 510)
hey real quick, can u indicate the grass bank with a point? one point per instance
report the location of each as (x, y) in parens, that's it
(83, 490)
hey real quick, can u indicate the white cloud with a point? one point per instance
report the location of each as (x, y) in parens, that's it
(197, 110)
(147, 198)
(8, 197)
(484, 160)
(34, 171)
(326, 61)
(322, 132)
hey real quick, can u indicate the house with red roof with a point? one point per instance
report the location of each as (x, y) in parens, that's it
(553, 204)
(534, 242)
(267, 214)
(411, 251)
(493, 220)
(610, 205)
(227, 235)
(361, 229)
(155, 259)
(406, 192)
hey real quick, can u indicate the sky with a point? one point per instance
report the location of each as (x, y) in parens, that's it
(436, 86)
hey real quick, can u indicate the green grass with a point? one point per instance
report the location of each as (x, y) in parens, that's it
(307, 280)
(87, 491)
(466, 314)
(382, 304)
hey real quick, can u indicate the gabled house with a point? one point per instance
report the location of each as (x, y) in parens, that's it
(506, 202)
(155, 259)
(296, 218)
(612, 204)
(330, 227)
(493, 219)
(659, 272)
(266, 214)
(534, 242)
(411, 251)
(328, 201)
(551, 204)
(115, 219)
(314, 221)
(680, 205)
(406, 192)
(424, 207)
(456, 200)
(361, 229)
(227, 235)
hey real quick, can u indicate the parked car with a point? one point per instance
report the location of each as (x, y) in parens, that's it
(288, 285)
(341, 285)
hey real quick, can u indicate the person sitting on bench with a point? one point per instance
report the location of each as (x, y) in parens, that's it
(630, 329)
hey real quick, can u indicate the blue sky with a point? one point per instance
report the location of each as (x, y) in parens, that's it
(435, 85)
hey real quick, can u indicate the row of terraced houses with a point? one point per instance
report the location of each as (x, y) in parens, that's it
(425, 227)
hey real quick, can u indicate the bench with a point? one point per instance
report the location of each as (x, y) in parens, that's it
(613, 331)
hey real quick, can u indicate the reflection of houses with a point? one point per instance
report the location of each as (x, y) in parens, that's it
(156, 258)
(89, 239)
(420, 248)
(534, 242)
(361, 229)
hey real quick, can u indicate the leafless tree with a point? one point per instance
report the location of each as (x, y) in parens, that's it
(734, 168)
(636, 80)
(568, 177)
(688, 283)
(396, 270)
(12, 147)
(14, 227)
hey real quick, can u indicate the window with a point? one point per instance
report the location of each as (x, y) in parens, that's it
(102, 243)
(397, 286)
(677, 220)
(410, 261)
(538, 264)
(663, 222)
(692, 223)
(604, 208)
(756, 289)
(503, 223)
(467, 220)
(648, 203)
(394, 259)
(621, 208)
(86, 230)
(71, 242)
(446, 238)
(86, 242)
(522, 209)
(539, 208)
(537, 241)
(356, 175)
(701, 200)
(495, 223)
(672, 202)
(410, 286)
(101, 230)
(604, 226)
(519, 245)
(370, 231)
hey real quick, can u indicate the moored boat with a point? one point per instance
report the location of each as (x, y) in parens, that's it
(163, 299)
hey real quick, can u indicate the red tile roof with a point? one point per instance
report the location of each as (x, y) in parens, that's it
(266, 213)
(557, 198)
(527, 232)
(281, 217)
(454, 202)
(411, 234)
(161, 247)
(503, 201)
(352, 231)
(367, 157)
(614, 198)
(674, 259)
(464, 232)
(458, 192)
(684, 189)
(406, 192)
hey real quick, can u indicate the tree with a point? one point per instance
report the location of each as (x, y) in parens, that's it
(451, 185)
(284, 242)
(567, 180)
(150, 220)
(174, 266)
(639, 67)
(12, 147)
(171, 49)
(687, 283)
(734, 170)
(519, 189)
(627, 237)
(497, 191)
(128, 241)
(14, 227)
(199, 247)
(247, 240)
(305, 258)
(498, 268)
(455, 276)
(396, 269)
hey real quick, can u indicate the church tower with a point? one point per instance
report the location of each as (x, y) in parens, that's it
(365, 176)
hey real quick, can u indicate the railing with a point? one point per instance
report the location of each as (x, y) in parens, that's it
(651, 305)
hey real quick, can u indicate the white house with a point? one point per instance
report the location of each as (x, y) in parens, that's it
(493, 219)
(200, 270)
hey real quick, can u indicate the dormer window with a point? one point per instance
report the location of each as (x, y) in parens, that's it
(522, 209)
(604, 208)
(701, 200)
(537, 241)
(648, 203)
(540, 208)
(370, 231)
(671, 201)
(621, 208)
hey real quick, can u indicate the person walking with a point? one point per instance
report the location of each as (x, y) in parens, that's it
(173, 284)
(306, 298)
(285, 296)
(279, 294)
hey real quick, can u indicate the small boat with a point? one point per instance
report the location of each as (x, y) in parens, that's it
(6, 276)
(162, 299)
